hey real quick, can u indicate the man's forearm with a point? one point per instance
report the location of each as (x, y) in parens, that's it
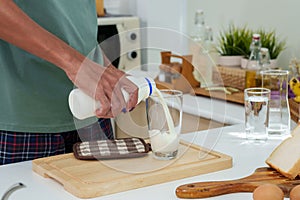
(103, 84)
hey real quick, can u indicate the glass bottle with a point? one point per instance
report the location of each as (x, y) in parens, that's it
(211, 54)
(253, 78)
(196, 47)
(199, 26)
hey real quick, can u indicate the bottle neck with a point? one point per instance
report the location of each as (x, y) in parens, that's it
(255, 49)
(256, 43)
(199, 18)
(145, 85)
(254, 54)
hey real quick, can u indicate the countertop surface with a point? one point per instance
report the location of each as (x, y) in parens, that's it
(228, 140)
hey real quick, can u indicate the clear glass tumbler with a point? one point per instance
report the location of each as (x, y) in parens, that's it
(279, 121)
(164, 117)
(257, 114)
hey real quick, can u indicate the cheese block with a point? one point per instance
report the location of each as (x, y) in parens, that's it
(286, 156)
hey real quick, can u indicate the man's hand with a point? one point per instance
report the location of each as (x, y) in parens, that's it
(105, 84)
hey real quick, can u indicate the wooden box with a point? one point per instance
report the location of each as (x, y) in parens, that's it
(183, 72)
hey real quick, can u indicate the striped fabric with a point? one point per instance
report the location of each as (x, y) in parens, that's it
(17, 147)
(111, 149)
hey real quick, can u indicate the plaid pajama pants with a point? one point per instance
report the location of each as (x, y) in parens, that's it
(20, 146)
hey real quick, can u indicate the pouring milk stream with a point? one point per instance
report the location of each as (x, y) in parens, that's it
(164, 141)
(83, 106)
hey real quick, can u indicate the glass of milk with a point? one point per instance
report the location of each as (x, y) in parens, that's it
(164, 117)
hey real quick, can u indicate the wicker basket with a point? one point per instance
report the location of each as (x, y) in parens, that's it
(227, 76)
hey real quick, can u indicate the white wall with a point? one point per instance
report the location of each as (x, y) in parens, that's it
(283, 16)
(169, 15)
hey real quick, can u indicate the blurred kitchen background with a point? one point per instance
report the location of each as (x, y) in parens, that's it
(178, 15)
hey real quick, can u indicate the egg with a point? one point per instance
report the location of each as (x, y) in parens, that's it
(295, 193)
(268, 192)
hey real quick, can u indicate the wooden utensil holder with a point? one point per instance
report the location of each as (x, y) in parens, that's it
(183, 72)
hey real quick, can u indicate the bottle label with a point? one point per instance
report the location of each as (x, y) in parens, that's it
(150, 86)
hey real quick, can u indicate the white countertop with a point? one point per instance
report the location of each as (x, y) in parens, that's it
(246, 158)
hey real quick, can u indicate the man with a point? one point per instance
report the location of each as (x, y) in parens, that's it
(43, 53)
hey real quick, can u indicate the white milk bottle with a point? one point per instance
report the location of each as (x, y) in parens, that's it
(83, 106)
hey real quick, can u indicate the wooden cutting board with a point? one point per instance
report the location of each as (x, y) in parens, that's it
(247, 184)
(89, 179)
(236, 97)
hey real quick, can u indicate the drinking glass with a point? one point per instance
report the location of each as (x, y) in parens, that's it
(164, 117)
(257, 113)
(279, 121)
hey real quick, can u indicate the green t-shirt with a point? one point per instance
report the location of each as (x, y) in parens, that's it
(33, 92)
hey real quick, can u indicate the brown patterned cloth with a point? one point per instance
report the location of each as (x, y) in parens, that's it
(111, 149)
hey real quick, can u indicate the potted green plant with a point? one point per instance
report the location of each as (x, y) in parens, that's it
(233, 45)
